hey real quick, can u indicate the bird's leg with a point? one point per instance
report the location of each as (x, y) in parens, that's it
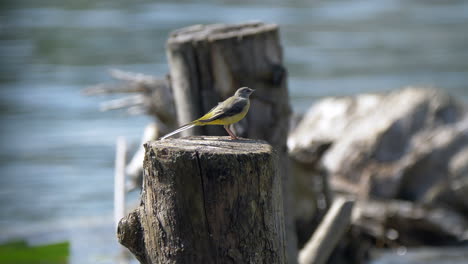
(230, 132)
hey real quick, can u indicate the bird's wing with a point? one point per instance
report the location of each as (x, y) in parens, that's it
(225, 109)
(216, 110)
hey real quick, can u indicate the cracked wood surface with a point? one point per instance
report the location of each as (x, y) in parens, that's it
(208, 63)
(208, 200)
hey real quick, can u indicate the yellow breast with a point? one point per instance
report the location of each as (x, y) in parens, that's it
(231, 119)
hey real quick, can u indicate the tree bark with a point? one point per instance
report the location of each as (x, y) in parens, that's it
(208, 200)
(208, 63)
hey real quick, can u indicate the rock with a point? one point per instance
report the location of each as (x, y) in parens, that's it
(379, 143)
(458, 168)
(426, 171)
(306, 148)
(409, 145)
(327, 121)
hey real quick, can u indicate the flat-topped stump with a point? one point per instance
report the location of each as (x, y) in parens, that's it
(208, 200)
(214, 144)
(208, 63)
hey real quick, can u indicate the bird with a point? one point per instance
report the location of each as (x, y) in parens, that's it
(230, 111)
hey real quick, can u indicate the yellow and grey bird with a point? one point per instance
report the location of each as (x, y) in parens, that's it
(230, 111)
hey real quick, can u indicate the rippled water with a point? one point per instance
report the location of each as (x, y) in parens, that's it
(57, 150)
(425, 255)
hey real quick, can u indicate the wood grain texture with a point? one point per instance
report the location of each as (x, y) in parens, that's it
(208, 200)
(208, 63)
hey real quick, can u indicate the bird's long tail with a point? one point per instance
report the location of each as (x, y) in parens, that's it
(180, 129)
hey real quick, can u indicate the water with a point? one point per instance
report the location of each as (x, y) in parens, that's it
(423, 255)
(57, 149)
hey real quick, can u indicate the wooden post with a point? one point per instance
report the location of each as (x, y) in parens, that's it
(208, 200)
(327, 235)
(119, 179)
(208, 63)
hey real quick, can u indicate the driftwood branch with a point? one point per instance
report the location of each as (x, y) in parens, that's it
(332, 228)
(125, 102)
(132, 83)
(394, 222)
(153, 96)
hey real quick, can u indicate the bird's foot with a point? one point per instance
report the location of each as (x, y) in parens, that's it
(233, 137)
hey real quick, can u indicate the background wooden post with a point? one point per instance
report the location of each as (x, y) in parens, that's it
(208, 63)
(208, 200)
(119, 180)
(328, 234)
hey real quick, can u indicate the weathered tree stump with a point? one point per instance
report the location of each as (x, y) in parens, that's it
(208, 63)
(208, 200)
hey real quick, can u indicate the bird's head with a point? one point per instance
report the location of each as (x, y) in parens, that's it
(244, 92)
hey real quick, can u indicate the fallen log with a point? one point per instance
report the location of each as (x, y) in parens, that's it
(404, 223)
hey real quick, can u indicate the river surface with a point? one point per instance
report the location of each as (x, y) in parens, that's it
(57, 149)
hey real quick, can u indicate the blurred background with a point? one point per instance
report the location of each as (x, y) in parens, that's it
(57, 150)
